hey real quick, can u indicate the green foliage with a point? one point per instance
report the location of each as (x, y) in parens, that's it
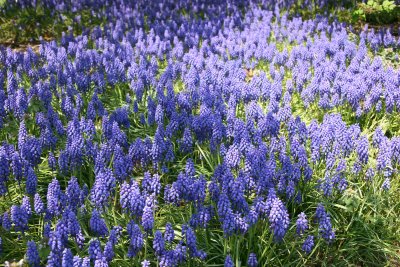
(377, 12)
(22, 26)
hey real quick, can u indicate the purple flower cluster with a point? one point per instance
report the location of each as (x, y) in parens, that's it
(160, 109)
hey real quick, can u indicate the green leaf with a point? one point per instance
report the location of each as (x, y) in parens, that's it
(358, 14)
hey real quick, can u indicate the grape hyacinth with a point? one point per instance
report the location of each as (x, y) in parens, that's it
(97, 224)
(301, 223)
(32, 254)
(161, 130)
(228, 262)
(279, 219)
(308, 244)
(169, 234)
(252, 260)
